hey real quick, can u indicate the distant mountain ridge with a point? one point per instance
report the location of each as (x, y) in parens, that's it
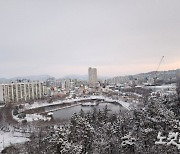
(75, 76)
(3, 80)
(45, 77)
(32, 78)
(83, 77)
(159, 74)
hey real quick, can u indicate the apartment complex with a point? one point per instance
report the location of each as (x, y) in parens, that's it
(19, 92)
(92, 73)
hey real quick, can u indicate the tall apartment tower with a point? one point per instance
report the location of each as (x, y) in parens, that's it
(22, 92)
(92, 73)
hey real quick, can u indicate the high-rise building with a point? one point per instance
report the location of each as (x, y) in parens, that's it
(23, 91)
(92, 73)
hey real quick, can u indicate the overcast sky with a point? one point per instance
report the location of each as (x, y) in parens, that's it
(58, 38)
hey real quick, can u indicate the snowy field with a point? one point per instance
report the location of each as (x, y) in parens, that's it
(10, 138)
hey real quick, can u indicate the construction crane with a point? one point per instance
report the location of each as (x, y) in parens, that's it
(155, 78)
(159, 63)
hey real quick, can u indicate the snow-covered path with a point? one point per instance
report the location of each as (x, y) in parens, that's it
(100, 97)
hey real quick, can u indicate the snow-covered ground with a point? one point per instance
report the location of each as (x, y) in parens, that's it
(10, 138)
(163, 87)
(42, 104)
(124, 104)
(90, 104)
(32, 117)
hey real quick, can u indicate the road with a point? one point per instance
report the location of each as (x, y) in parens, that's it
(6, 115)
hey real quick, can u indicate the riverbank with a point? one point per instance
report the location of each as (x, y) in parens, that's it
(6, 116)
(39, 111)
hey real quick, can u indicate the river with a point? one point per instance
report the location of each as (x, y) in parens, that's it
(66, 113)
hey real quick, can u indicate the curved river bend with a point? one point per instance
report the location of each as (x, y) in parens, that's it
(66, 113)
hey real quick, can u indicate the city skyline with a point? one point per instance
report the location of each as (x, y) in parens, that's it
(62, 38)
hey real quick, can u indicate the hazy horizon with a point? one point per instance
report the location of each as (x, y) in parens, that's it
(60, 38)
(78, 75)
